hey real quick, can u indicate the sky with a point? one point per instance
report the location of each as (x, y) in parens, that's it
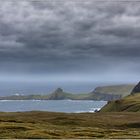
(69, 41)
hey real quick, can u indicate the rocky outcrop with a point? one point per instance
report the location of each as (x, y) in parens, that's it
(136, 89)
(58, 94)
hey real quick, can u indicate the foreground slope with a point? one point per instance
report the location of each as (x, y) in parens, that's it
(46, 125)
(129, 103)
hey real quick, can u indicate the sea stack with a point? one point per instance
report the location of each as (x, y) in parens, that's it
(58, 94)
(136, 89)
(58, 90)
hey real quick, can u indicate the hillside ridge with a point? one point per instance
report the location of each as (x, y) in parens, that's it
(130, 103)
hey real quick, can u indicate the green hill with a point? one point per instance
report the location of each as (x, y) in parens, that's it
(122, 90)
(130, 103)
(113, 92)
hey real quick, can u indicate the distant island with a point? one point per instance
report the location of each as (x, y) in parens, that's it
(106, 93)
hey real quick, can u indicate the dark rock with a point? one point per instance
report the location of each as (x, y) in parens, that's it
(58, 90)
(58, 94)
(136, 89)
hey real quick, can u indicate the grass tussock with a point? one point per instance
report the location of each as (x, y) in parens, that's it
(48, 125)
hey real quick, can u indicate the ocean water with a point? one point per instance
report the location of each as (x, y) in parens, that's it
(27, 88)
(68, 106)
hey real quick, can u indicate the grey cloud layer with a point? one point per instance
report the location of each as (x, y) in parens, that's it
(69, 35)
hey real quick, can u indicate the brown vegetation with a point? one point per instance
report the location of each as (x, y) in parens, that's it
(69, 125)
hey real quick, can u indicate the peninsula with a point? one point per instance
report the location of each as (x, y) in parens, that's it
(106, 93)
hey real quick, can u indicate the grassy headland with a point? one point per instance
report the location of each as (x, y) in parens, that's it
(106, 93)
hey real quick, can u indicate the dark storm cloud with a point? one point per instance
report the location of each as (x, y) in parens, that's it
(69, 35)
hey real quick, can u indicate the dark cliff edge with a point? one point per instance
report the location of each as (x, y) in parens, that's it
(136, 89)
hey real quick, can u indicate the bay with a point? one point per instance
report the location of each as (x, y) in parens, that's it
(67, 106)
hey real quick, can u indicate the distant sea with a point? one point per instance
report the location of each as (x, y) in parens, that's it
(26, 88)
(68, 106)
